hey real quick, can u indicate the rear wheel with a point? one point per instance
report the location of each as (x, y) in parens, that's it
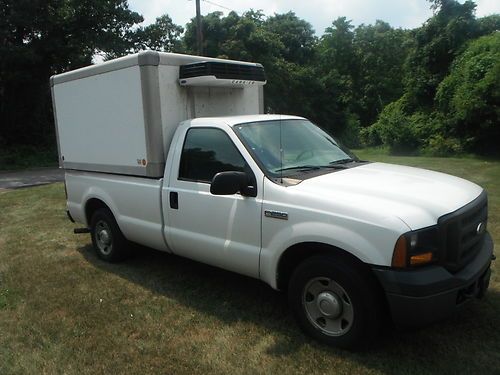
(107, 238)
(334, 301)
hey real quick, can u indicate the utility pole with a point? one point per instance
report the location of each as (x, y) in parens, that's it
(199, 35)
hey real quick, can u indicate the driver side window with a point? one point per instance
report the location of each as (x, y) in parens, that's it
(206, 152)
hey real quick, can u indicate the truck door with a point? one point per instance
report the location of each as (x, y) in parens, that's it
(224, 231)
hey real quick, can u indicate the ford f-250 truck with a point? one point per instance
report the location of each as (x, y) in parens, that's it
(268, 196)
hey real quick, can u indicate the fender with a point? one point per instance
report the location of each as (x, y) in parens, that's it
(353, 242)
(95, 192)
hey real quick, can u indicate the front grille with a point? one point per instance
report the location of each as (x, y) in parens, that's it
(460, 238)
(223, 71)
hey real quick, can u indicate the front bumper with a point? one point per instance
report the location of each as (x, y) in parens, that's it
(422, 296)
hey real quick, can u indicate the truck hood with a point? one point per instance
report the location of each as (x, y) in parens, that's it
(416, 196)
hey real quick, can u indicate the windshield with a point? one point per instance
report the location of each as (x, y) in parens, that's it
(304, 145)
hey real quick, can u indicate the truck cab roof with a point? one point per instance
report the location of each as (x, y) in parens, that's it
(236, 120)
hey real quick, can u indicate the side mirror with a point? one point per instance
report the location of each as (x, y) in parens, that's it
(228, 183)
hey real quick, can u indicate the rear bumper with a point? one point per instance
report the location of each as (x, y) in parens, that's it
(422, 296)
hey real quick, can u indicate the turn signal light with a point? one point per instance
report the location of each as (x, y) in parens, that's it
(421, 258)
(399, 255)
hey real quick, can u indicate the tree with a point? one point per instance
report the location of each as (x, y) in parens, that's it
(251, 37)
(381, 52)
(296, 36)
(41, 37)
(163, 35)
(214, 30)
(450, 96)
(336, 48)
(470, 95)
(489, 24)
(435, 46)
(338, 69)
(235, 37)
(248, 39)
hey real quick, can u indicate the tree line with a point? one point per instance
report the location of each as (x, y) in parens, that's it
(435, 88)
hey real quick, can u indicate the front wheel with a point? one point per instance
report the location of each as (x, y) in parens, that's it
(334, 301)
(107, 238)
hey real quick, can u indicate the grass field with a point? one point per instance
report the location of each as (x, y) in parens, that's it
(64, 311)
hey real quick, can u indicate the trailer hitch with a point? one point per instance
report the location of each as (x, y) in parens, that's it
(81, 230)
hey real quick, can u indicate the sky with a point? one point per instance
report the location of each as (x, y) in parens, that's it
(320, 13)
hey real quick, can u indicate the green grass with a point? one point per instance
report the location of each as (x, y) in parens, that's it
(64, 311)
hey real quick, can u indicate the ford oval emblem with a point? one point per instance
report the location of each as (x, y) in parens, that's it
(481, 227)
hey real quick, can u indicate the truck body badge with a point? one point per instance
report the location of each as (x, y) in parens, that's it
(276, 214)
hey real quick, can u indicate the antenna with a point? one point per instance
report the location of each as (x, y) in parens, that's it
(281, 153)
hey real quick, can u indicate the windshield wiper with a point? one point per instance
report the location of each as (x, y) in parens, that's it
(342, 161)
(304, 167)
(311, 167)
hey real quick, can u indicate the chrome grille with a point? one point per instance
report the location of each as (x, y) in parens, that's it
(461, 234)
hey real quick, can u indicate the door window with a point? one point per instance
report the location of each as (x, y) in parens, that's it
(206, 152)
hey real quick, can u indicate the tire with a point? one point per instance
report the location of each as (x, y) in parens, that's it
(335, 301)
(107, 238)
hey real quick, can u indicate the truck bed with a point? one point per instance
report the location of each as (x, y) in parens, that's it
(134, 201)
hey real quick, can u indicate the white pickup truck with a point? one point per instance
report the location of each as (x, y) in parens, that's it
(269, 196)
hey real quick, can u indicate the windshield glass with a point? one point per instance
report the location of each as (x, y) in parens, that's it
(304, 145)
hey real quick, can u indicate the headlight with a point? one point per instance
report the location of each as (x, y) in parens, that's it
(416, 248)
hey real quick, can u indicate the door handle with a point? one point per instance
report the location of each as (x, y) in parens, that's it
(174, 200)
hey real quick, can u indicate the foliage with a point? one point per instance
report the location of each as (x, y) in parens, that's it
(41, 37)
(337, 69)
(470, 94)
(395, 129)
(452, 78)
(311, 77)
(350, 133)
(489, 24)
(296, 36)
(214, 31)
(163, 35)
(435, 45)
(433, 88)
(369, 137)
(381, 52)
(25, 156)
(438, 145)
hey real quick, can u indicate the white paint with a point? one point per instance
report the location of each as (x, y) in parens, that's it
(134, 201)
(223, 231)
(100, 118)
(361, 210)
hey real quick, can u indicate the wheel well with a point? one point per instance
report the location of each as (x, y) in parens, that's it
(92, 206)
(296, 254)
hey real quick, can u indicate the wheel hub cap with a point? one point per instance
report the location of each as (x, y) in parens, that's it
(329, 304)
(104, 237)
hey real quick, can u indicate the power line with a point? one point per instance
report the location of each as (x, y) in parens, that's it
(220, 6)
(199, 34)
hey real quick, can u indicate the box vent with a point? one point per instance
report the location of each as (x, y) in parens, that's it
(209, 73)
